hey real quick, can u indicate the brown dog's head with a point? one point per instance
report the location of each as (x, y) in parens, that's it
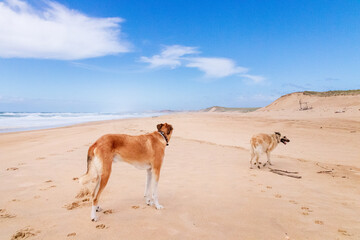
(284, 140)
(166, 129)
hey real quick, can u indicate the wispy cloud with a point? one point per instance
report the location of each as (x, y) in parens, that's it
(216, 67)
(169, 57)
(213, 67)
(56, 32)
(254, 78)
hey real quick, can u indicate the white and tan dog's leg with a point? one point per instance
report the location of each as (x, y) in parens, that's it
(268, 158)
(148, 187)
(252, 157)
(257, 159)
(156, 175)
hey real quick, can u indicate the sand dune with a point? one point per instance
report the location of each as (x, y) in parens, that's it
(206, 186)
(316, 103)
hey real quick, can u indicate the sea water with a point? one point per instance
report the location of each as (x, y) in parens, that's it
(22, 121)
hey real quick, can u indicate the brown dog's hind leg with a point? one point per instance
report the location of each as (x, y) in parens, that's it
(102, 181)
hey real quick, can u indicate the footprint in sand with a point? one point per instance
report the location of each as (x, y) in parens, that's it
(101, 226)
(306, 210)
(319, 222)
(24, 233)
(135, 207)
(3, 214)
(83, 193)
(71, 234)
(293, 201)
(109, 211)
(75, 178)
(269, 187)
(344, 232)
(72, 205)
(278, 196)
(12, 169)
(48, 181)
(85, 201)
(77, 204)
(43, 189)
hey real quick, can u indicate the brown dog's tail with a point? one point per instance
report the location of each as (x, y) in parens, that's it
(87, 176)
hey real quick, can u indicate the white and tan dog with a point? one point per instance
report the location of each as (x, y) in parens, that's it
(143, 151)
(265, 143)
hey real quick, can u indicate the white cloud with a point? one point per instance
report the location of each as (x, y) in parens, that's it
(169, 57)
(56, 32)
(254, 78)
(215, 67)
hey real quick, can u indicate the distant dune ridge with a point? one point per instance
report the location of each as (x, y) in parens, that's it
(226, 109)
(331, 101)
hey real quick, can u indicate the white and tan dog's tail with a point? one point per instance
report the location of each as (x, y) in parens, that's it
(84, 179)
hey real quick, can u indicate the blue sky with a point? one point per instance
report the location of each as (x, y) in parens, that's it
(115, 56)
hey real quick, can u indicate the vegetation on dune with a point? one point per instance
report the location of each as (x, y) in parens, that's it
(333, 93)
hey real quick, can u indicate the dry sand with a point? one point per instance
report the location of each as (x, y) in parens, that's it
(206, 186)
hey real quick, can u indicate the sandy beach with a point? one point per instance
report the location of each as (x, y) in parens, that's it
(206, 185)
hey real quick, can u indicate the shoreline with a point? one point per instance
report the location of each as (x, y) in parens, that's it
(55, 126)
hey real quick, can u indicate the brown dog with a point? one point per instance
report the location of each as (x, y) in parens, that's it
(143, 151)
(265, 143)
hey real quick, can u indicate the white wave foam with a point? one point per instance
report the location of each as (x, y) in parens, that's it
(13, 121)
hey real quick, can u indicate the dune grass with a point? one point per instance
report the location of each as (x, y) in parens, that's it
(333, 93)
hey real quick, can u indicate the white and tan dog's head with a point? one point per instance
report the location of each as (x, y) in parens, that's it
(283, 139)
(166, 129)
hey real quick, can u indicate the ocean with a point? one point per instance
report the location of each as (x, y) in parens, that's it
(23, 121)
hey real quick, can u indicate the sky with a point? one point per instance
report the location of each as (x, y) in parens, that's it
(134, 56)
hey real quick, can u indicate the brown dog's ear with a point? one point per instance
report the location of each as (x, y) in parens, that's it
(278, 133)
(159, 126)
(170, 128)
